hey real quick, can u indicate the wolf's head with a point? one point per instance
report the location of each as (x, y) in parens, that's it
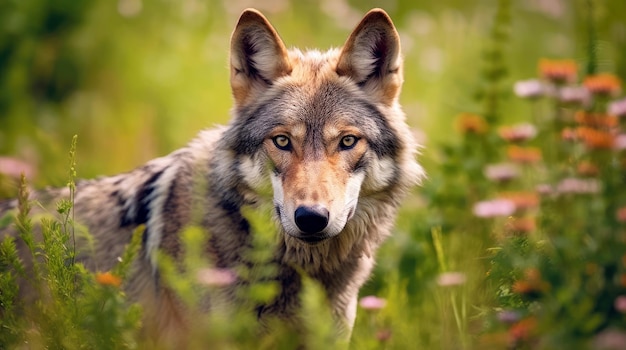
(325, 128)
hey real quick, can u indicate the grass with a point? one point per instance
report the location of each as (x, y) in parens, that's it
(543, 268)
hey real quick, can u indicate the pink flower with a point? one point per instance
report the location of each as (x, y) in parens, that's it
(530, 88)
(494, 207)
(14, 167)
(501, 172)
(448, 279)
(619, 142)
(610, 339)
(544, 189)
(617, 108)
(372, 302)
(575, 95)
(578, 186)
(518, 133)
(620, 303)
(216, 277)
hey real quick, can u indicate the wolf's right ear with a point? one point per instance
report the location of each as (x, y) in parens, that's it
(257, 56)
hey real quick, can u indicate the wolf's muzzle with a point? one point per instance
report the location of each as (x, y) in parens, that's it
(311, 219)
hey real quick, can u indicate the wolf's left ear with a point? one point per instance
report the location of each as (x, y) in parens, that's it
(371, 57)
(257, 56)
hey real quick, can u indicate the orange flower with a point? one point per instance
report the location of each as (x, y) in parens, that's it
(558, 71)
(596, 119)
(524, 154)
(587, 168)
(532, 285)
(603, 84)
(522, 200)
(523, 330)
(621, 217)
(568, 134)
(595, 138)
(520, 225)
(469, 123)
(108, 279)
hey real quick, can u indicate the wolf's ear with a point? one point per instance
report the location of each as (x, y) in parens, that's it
(371, 57)
(257, 55)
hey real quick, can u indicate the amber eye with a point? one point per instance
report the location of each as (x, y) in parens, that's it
(348, 141)
(282, 142)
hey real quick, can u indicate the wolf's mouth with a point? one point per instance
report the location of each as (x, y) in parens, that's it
(312, 239)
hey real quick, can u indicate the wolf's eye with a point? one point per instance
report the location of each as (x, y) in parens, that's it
(348, 141)
(282, 142)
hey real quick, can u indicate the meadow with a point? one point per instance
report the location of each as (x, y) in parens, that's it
(516, 240)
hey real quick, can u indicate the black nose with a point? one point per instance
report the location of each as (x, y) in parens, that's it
(311, 219)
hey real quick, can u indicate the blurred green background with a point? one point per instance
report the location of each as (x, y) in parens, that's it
(137, 79)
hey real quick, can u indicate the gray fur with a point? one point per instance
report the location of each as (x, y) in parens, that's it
(300, 91)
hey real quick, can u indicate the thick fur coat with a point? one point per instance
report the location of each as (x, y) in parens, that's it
(323, 131)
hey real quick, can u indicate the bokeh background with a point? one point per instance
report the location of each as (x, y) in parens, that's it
(137, 79)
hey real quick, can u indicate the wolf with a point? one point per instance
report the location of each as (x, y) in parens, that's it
(320, 136)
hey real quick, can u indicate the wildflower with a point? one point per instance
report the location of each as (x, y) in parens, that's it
(493, 208)
(569, 134)
(619, 142)
(524, 154)
(501, 172)
(508, 316)
(620, 303)
(558, 71)
(587, 168)
(598, 120)
(522, 200)
(610, 339)
(108, 279)
(449, 279)
(530, 88)
(532, 285)
(469, 123)
(595, 139)
(574, 95)
(523, 330)
(617, 108)
(544, 189)
(216, 277)
(14, 167)
(603, 84)
(620, 215)
(372, 302)
(520, 225)
(518, 133)
(383, 335)
(578, 186)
